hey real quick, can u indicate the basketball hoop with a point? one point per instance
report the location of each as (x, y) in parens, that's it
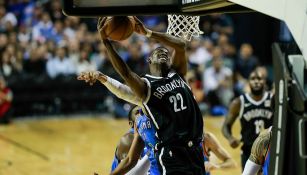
(183, 26)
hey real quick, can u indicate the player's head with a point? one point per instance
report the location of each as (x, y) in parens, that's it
(256, 82)
(134, 111)
(159, 60)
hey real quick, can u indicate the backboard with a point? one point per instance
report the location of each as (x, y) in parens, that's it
(96, 8)
(88, 8)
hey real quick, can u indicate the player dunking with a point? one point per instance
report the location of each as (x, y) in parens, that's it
(255, 113)
(168, 101)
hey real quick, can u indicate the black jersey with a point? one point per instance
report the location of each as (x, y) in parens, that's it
(172, 107)
(254, 117)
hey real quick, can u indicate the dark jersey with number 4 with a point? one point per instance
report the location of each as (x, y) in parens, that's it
(255, 116)
(173, 109)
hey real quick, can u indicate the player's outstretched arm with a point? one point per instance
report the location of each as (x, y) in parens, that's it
(179, 59)
(122, 91)
(233, 114)
(133, 156)
(215, 146)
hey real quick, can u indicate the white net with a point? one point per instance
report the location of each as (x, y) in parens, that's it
(183, 26)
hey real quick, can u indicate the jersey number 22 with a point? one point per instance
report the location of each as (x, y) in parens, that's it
(176, 99)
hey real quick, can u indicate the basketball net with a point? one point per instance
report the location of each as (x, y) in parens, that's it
(183, 26)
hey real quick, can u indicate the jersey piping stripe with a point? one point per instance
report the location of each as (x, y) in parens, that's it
(151, 76)
(249, 98)
(171, 74)
(241, 106)
(148, 90)
(151, 116)
(161, 163)
(185, 83)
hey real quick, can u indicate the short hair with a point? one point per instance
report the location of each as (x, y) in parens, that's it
(130, 114)
(159, 47)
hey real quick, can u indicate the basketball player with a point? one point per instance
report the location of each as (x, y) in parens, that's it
(167, 100)
(124, 144)
(147, 132)
(141, 166)
(260, 155)
(255, 114)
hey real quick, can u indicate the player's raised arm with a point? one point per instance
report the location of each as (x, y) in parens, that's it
(179, 60)
(234, 111)
(137, 85)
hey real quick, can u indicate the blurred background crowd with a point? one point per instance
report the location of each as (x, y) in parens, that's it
(42, 51)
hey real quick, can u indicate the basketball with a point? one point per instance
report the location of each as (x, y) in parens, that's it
(119, 27)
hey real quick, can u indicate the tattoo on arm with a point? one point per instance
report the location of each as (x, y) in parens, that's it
(260, 148)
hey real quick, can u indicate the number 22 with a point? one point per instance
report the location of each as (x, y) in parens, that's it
(174, 99)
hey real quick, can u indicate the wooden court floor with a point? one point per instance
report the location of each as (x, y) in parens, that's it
(75, 145)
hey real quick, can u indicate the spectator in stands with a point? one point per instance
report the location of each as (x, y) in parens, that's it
(70, 24)
(136, 60)
(197, 90)
(60, 64)
(42, 31)
(3, 42)
(217, 83)
(244, 65)
(8, 66)
(57, 34)
(84, 64)
(99, 56)
(36, 64)
(218, 53)
(6, 97)
(55, 10)
(198, 55)
(7, 20)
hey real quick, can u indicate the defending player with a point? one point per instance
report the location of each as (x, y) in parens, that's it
(144, 134)
(168, 101)
(124, 144)
(255, 114)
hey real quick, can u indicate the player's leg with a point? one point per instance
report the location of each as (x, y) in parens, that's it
(181, 160)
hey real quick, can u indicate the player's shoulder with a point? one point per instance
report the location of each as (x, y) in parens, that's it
(124, 145)
(236, 101)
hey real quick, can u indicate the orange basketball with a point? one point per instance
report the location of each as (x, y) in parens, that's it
(119, 27)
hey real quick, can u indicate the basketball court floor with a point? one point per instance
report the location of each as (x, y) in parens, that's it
(78, 145)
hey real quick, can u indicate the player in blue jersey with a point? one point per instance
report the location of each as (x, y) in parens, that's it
(124, 145)
(260, 155)
(145, 129)
(144, 135)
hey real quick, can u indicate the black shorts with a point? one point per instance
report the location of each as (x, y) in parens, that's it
(181, 160)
